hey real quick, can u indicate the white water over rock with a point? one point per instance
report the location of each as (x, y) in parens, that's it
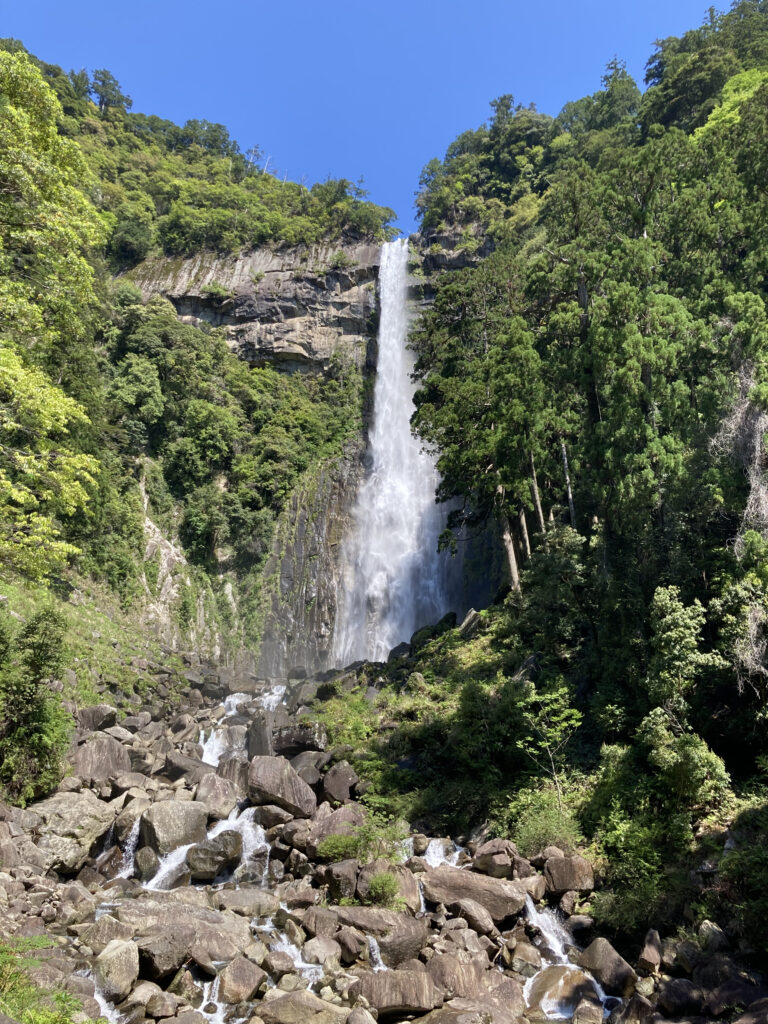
(442, 851)
(394, 580)
(374, 955)
(556, 939)
(129, 853)
(254, 842)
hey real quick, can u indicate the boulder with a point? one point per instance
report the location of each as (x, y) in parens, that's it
(249, 902)
(400, 992)
(162, 1004)
(407, 885)
(99, 934)
(476, 916)
(235, 769)
(116, 969)
(68, 826)
(272, 780)
(611, 970)
(100, 716)
(341, 879)
(240, 980)
(101, 758)
(649, 960)
(525, 959)
(301, 1008)
(494, 858)
(218, 795)
(757, 1013)
(321, 949)
(338, 782)
(341, 822)
(455, 977)
(559, 987)
(568, 874)
(180, 766)
(712, 937)
(501, 898)
(162, 953)
(208, 859)
(293, 739)
(678, 997)
(173, 823)
(399, 936)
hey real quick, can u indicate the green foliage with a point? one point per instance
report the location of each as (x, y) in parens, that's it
(338, 847)
(535, 819)
(19, 998)
(384, 891)
(36, 729)
(380, 836)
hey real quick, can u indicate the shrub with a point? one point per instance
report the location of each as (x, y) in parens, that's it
(336, 848)
(19, 998)
(383, 890)
(34, 734)
(380, 836)
(535, 820)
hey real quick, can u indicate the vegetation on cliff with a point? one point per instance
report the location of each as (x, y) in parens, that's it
(114, 414)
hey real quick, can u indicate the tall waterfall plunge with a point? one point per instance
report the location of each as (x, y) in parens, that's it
(393, 579)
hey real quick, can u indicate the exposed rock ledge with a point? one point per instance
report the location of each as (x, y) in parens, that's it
(292, 307)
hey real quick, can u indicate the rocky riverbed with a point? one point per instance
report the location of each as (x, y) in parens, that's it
(176, 873)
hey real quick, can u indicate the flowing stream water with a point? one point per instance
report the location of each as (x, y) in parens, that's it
(393, 579)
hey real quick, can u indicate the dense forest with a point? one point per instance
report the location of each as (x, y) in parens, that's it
(595, 389)
(594, 385)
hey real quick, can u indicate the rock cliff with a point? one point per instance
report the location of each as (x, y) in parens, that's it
(292, 308)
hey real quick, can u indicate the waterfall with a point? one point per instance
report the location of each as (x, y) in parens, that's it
(393, 579)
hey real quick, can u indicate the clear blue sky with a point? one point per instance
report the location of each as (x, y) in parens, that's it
(370, 89)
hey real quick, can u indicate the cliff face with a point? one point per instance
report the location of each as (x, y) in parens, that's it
(303, 572)
(293, 308)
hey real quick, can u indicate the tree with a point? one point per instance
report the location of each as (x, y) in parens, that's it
(550, 722)
(676, 657)
(41, 478)
(106, 88)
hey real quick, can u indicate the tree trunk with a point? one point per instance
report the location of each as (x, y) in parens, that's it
(524, 533)
(509, 547)
(536, 497)
(568, 483)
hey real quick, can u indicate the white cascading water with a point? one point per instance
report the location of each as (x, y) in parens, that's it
(393, 579)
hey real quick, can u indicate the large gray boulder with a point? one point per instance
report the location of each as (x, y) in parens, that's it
(407, 885)
(208, 859)
(400, 992)
(70, 824)
(217, 794)
(609, 968)
(101, 758)
(117, 968)
(272, 780)
(495, 858)
(240, 980)
(399, 936)
(562, 986)
(568, 874)
(302, 1008)
(100, 716)
(341, 822)
(173, 823)
(501, 898)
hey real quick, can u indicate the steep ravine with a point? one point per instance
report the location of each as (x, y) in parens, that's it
(179, 868)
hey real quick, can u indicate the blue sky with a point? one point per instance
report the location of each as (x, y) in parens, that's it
(371, 89)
